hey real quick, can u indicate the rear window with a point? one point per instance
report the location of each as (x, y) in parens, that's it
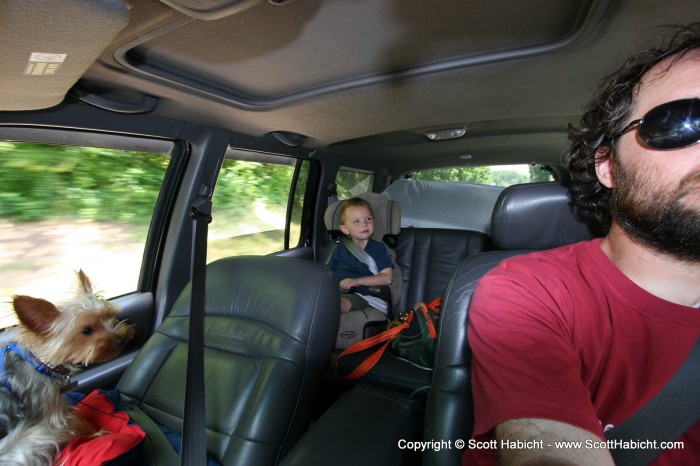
(495, 175)
(460, 198)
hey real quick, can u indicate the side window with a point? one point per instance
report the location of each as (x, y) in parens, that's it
(64, 208)
(258, 205)
(350, 182)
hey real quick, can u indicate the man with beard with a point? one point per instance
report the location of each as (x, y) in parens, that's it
(571, 342)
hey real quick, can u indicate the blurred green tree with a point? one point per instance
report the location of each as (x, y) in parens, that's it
(480, 175)
(41, 181)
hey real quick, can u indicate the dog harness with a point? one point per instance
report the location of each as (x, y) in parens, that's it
(60, 373)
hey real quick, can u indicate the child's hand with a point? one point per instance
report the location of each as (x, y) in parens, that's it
(347, 284)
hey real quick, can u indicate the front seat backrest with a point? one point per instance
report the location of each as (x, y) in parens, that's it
(526, 218)
(270, 326)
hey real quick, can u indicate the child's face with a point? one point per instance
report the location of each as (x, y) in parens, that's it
(358, 223)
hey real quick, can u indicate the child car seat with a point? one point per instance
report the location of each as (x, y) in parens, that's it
(387, 226)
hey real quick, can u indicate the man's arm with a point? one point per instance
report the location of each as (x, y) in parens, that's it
(540, 437)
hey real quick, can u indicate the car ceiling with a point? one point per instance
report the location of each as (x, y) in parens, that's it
(355, 79)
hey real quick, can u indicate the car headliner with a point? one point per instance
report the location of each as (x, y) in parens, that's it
(359, 79)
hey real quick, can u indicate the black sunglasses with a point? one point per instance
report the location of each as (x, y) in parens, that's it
(669, 126)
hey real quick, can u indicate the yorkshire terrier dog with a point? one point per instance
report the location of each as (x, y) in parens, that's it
(51, 343)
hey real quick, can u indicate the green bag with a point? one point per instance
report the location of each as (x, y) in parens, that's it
(412, 337)
(416, 343)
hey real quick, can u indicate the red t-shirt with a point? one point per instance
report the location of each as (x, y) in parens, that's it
(565, 335)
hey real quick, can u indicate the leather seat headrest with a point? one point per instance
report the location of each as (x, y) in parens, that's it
(536, 216)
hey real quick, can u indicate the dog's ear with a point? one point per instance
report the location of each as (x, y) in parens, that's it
(34, 313)
(84, 283)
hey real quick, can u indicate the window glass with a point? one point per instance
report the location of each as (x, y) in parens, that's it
(350, 183)
(64, 208)
(250, 203)
(496, 175)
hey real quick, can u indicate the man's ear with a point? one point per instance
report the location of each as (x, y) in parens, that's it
(603, 166)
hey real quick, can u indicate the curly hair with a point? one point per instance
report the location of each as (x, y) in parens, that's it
(607, 114)
(353, 202)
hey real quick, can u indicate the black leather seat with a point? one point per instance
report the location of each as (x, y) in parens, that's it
(364, 427)
(526, 218)
(270, 326)
(428, 256)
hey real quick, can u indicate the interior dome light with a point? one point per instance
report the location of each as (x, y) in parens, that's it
(442, 134)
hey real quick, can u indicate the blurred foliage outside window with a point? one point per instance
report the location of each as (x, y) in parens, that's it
(250, 207)
(504, 176)
(350, 183)
(66, 207)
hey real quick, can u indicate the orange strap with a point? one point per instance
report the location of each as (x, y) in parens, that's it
(365, 366)
(435, 305)
(428, 320)
(385, 337)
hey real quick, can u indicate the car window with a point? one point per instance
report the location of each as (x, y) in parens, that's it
(258, 205)
(351, 182)
(66, 207)
(495, 175)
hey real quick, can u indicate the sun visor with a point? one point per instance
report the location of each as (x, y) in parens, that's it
(45, 51)
(435, 204)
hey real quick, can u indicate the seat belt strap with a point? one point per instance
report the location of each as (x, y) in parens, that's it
(194, 448)
(360, 254)
(670, 414)
(157, 450)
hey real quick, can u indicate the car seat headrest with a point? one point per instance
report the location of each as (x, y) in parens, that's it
(387, 215)
(536, 216)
